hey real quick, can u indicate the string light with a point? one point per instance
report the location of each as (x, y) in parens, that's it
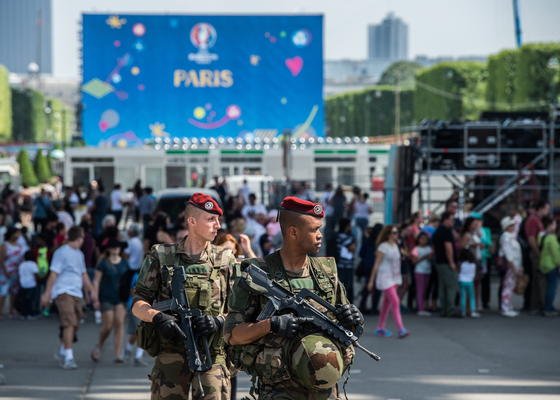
(250, 142)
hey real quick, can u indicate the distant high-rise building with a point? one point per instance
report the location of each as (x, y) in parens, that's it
(389, 39)
(26, 35)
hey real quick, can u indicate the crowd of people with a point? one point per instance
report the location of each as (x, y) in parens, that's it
(446, 264)
(65, 244)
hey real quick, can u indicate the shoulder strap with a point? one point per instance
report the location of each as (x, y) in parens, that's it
(166, 254)
(273, 266)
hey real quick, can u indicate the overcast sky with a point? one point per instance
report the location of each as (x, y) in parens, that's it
(436, 27)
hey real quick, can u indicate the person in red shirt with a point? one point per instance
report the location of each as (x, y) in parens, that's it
(60, 237)
(533, 228)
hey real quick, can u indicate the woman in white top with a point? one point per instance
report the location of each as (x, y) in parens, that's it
(386, 274)
(510, 252)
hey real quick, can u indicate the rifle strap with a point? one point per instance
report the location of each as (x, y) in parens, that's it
(254, 384)
(347, 373)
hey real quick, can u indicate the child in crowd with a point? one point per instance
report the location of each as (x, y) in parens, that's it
(421, 257)
(467, 273)
(28, 296)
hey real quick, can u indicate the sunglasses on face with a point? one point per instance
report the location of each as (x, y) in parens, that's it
(394, 232)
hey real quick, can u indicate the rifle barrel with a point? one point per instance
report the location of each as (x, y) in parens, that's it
(368, 352)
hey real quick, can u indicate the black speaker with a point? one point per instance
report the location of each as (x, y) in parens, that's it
(523, 136)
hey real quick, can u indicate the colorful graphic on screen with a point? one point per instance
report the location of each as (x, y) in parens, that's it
(147, 77)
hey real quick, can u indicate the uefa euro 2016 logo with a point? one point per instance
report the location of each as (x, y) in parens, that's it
(203, 36)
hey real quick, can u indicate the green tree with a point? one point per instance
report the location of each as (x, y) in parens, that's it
(42, 168)
(5, 106)
(401, 73)
(26, 171)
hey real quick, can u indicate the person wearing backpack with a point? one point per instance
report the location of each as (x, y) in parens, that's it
(549, 261)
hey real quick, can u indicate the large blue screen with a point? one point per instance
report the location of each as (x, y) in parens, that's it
(147, 76)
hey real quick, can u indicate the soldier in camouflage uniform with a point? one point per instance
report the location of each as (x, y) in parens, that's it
(207, 270)
(286, 360)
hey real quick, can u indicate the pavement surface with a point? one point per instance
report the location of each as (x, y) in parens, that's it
(491, 358)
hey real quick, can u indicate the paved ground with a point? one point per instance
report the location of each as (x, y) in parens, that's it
(456, 359)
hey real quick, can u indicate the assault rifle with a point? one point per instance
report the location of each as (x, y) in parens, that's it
(281, 299)
(178, 305)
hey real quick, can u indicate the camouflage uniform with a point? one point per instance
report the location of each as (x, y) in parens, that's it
(206, 288)
(277, 362)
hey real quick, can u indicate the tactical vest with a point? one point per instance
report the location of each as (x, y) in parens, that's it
(199, 284)
(323, 275)
(268, 358)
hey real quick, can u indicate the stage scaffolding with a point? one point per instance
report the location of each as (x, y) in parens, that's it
(487, 162)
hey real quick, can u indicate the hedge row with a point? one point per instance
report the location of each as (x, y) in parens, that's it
(61, 121)
(501, 75)
(38, 119)
(29, 118)
(27, 115)
(524, 79)
(450, 91)
(369, 112)
(5, 106)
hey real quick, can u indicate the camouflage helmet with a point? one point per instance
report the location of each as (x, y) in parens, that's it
(316, 362)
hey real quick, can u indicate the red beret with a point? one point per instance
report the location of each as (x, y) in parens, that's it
(206, 203)
(292, 203)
